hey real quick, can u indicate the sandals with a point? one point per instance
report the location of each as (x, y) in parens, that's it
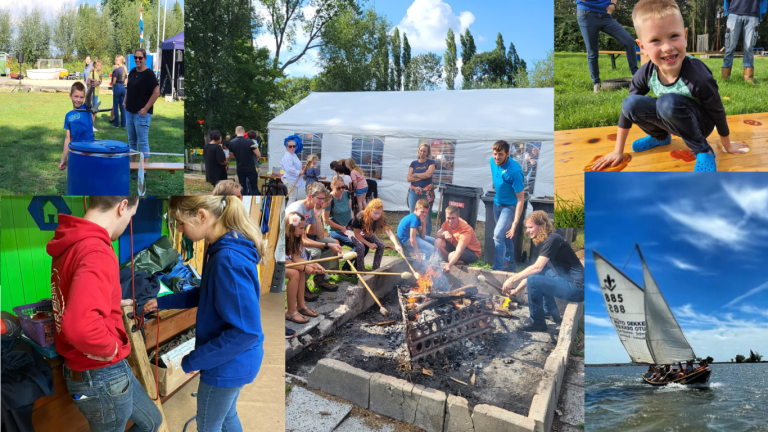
(292, 318)
(307, 312)
(649, 142)
(705, 162)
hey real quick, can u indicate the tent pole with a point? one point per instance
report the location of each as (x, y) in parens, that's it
(157, 51)
(165, 16)
(173, 73)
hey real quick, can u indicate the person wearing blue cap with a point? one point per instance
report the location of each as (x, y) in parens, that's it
(292, 169)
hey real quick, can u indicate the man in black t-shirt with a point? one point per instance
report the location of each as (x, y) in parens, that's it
(557, 272)
(216, 163)
(242, 150)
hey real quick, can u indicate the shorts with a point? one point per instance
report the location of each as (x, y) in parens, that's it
(467, 256)
(361, 191)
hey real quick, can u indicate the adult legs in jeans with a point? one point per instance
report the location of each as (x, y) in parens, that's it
(504, 248)
(615, 30)
(112, 397)
(217, 409)
(732, 33)
(412, 198)
(542, 290)
(673, 113)
(138, 132)
(750, 38)
(118, 95)
(591, 23)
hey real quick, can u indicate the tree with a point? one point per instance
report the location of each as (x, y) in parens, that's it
(710, 359)
(6, 30)
(406, 63)
(285, 16)
(425, 71)
(468, 50)
(382, 59)
(397, 84)
(292, 91)
(451, 67)
(754, 357)
(543, 74)
(94, 31)
(33, 36)
(739, 358)
(64, 30)
(514, 64)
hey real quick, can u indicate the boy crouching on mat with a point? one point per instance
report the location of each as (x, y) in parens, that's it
(79, 125)
(688, 103)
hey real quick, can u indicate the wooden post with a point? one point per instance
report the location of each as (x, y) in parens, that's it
(268, 262)
(139, 362)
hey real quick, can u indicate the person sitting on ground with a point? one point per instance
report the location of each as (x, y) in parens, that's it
(411, 231)
(79, 125)
(358, 178)
(363, 230)
(456, 241)
(339, 214)
(324, 246)
(216, 162)
(297, 276)
(293, 171)
(312, 173)
(564, 277)
(243, 150)
(228, 187)
(688, 103)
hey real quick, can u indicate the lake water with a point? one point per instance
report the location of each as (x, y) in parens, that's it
(735, 399)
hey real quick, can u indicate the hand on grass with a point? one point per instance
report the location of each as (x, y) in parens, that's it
(610, 160)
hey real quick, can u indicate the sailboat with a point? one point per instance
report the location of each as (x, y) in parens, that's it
(645, 324)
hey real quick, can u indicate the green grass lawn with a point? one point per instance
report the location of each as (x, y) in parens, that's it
(577, 107)
(32, 130)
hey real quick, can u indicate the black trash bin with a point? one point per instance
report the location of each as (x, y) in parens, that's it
(465, 198)
(490, 226)
(545, 204)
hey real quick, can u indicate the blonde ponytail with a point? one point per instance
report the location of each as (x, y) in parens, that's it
(229, 212)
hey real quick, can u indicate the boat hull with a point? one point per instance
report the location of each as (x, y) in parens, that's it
(697, 377)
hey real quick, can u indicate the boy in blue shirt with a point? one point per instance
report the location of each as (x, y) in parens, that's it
(509, 182)
(411, 231)
(79, 125)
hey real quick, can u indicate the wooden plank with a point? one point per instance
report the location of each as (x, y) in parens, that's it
(172, 322)
(11, 254)
(268, 262)
(576, 148)
(140, 364)
(160, 166)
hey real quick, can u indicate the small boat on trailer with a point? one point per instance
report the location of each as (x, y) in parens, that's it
(645, 323)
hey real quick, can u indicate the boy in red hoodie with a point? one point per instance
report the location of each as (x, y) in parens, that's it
(85, 285)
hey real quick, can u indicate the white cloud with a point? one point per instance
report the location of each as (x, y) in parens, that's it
(48, 6)
(753, 201)
(682, 265)
(594, 287)
(707, 229)
(427, 22)
(749, 293)
(754, 310)
(600, 322)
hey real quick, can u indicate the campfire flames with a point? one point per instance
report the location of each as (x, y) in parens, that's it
(424, 284)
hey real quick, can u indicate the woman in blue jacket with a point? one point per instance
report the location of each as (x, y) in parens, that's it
(229, 346)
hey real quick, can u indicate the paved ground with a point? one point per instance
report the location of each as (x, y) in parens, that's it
(571, 401)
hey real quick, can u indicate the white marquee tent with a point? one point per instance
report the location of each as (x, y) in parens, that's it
(382, 131)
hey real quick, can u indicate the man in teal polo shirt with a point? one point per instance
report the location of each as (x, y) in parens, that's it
(509, 182)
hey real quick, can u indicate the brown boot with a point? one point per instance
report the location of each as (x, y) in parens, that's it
(321, 282)
(725, 73)
(749, 75)
(309, 295)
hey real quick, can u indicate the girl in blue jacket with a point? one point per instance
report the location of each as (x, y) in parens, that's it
(230, 343)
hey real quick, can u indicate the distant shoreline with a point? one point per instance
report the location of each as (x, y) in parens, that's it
(638, 364)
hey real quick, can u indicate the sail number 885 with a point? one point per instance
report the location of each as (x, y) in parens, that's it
(614, 298)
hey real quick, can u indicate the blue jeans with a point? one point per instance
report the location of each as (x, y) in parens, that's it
(118, 96)
(217, 409)
(504, 248)
(111, 396)
(426, 245)
(345, 241)
(138, 131)
(591, 24)
(732, 32)
(671, 113)
(542, 290)
(412, 198)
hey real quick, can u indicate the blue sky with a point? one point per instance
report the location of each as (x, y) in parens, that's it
(530, 25)
(705, 238)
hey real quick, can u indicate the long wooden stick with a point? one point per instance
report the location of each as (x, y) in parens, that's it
(370, 273)
(333, 258)
(296, 182)
(382, 309)
(415, 273)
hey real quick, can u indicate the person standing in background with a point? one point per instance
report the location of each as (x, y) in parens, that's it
(118, 92)
(746, 14)
(420, 175)
(293, 171)
(140, 96)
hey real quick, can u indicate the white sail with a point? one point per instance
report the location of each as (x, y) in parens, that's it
(626, 307)
(665, 338)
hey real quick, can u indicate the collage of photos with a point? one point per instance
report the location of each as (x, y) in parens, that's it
(472, 216)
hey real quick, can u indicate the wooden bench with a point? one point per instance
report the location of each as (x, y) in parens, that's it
(643, 58)
(576, 148)
(171, 167)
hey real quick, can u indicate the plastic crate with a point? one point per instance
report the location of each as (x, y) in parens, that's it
(40, 331)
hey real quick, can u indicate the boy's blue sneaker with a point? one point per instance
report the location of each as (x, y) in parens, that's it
(649, 142)
(705, 162)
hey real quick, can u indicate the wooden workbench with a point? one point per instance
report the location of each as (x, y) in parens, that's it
(576, 148)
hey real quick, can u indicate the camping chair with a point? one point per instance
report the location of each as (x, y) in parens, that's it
(373, 190)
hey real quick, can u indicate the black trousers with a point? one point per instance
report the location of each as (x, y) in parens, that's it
(249, 181)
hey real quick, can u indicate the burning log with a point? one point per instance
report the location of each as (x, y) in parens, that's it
(439, 299)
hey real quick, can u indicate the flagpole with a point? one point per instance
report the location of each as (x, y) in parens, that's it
(157, 51)
(165, 16)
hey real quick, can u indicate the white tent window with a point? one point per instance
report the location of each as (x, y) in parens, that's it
(443, 152)
(313, 144)
(527, 158)
(368, 154)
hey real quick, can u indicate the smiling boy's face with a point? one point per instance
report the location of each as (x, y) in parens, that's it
(664, 42)
(78, 97)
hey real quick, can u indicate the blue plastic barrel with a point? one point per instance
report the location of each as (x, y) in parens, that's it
(637, 50)
(99, 168)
